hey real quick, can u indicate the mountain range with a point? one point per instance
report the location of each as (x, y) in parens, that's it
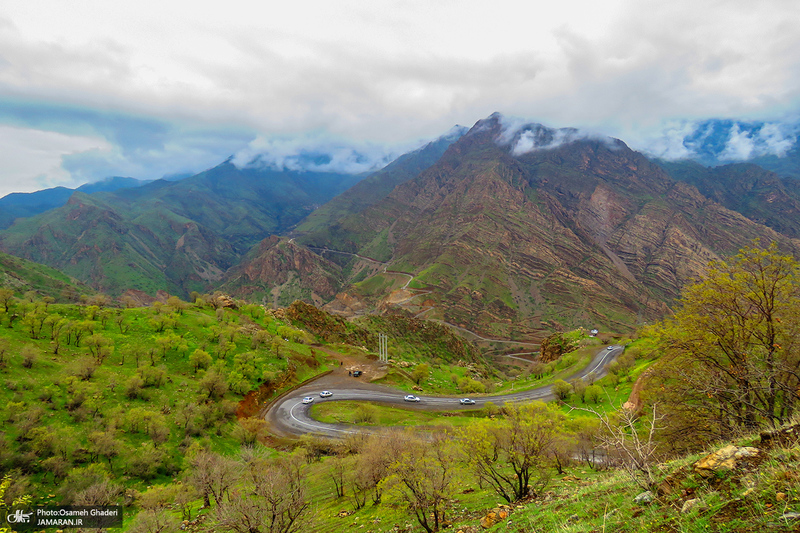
(507, 229)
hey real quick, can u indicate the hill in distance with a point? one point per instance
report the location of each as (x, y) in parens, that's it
(23, 205)
(175, 236)
(517, 230)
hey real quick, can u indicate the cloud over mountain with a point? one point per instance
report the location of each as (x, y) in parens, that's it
(314, 153)
(724, 141)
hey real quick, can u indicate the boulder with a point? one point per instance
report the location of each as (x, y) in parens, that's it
(489, 520)
(727, 458)
(694, 504)
(643, 498)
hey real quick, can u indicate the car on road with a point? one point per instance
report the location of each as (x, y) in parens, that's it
(466, 401)
(411, 398)
(325, 394)
(357, 373)
(610, 347)
(308, 399)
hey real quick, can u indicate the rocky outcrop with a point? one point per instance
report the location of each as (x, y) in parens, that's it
(508, 245)
(278, 271)
(727, 458)
(554, 347)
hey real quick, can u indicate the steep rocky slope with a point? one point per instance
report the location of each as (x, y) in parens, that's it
(278, 272)
(516, 230)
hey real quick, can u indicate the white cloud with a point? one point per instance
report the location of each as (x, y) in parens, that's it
(777, 139)
(739, 147)
(524, 136)
(669, 144)
(394, 71)
(315, 154)
(32, 159)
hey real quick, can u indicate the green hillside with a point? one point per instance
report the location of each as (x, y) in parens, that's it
(22, 276)
(174, 236)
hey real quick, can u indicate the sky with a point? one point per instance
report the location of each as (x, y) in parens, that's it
(93, 89)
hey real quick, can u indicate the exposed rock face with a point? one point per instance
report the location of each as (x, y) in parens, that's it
(137, 298)
(554, 347)
(727, 458)
(586, 233)
(279, 272)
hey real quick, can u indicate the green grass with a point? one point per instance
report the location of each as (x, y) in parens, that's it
(73, 407)
(347, 412)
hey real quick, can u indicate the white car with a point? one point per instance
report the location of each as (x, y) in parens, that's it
(610, 347)
(411, 398)
(308, 399)
(325, 394)
(466, 401)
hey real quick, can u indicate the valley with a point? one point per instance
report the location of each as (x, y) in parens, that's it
(171, 355)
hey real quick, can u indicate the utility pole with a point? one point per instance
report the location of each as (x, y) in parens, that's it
(383, 348)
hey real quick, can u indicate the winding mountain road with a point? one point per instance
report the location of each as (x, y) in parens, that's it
(289, 416)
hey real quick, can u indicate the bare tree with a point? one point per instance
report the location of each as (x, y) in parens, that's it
(423, 477)
(154, 516)
(270, 499)
(213, 475)
(337, 468)
(630, 443)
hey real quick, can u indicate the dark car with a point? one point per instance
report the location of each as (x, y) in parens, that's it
(357, 373)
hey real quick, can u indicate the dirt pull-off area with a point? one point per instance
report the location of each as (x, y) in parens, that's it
(341, 376)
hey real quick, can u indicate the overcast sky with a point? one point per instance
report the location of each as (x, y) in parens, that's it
(90, 89)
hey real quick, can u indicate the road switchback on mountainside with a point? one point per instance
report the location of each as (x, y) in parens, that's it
(288, 416)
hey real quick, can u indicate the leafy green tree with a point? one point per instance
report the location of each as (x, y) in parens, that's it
(213, 384)
(421, 373)
(34, 321)
(100, 347)
(178, 305)
(105, 444)
(365, 414)
(593, 393)
(6, 298)
(468, 385)
(120, 319)
(83, 329)
(167, 342)
(200, 359)
(250, 430)
(134, 387)
(732, 349)
(579, 388)
(30, 354)
(512, 455)
(259, 339)
(561, 389)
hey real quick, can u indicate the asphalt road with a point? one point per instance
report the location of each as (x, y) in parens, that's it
(289, 416)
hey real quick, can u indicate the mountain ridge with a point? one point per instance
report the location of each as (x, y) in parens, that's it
(554, 236)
